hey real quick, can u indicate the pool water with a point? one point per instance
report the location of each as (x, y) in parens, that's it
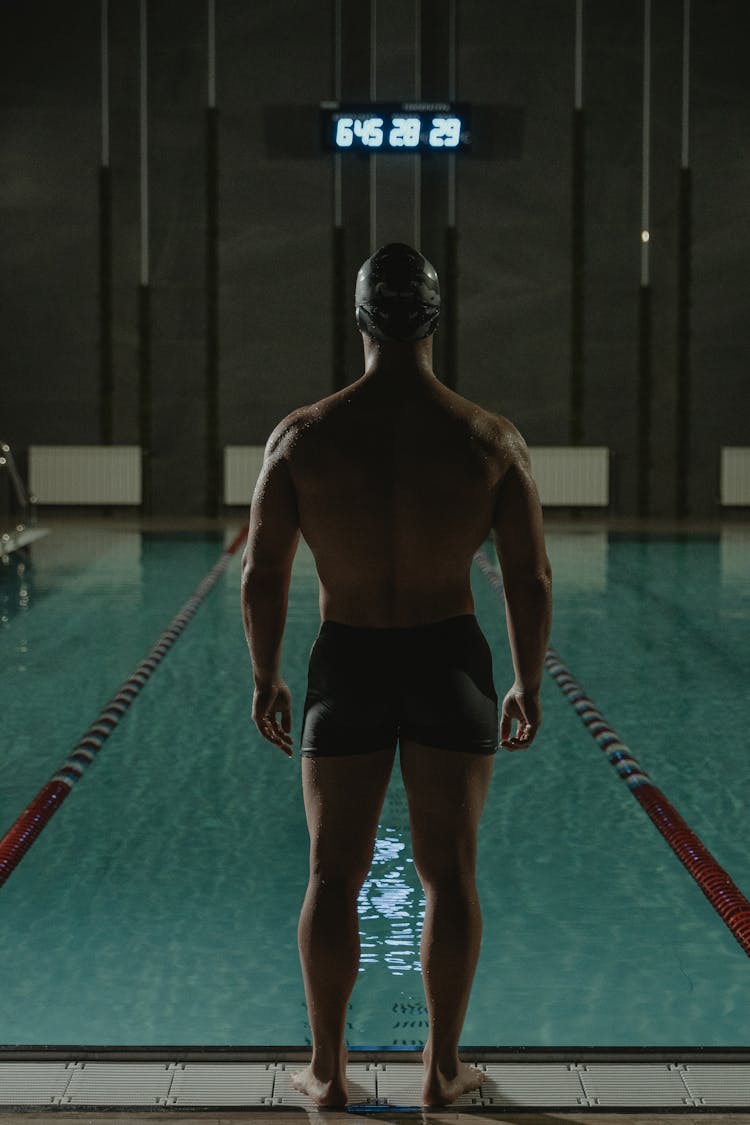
(159, 906)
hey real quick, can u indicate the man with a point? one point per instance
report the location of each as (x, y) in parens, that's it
(395, 482)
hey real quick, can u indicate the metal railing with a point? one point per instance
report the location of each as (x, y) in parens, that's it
(22, 506)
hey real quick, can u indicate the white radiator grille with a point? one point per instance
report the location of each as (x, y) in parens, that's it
(242, 465)
(571, 475)
(85, 474)
(735, 475)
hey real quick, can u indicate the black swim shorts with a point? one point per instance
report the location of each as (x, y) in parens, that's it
(369, 687)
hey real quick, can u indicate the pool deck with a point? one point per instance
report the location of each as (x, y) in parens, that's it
(220, 1084)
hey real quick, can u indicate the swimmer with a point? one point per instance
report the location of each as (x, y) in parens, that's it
(394, 482)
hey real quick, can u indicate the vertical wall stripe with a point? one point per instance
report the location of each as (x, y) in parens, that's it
(417, 49)
(684, 276)
(339, 319)
(417, 158)
(338, 203)
(337, 48)
(341, 307)
(685, 153)
(646, 145)
(452, 61)
(373, 202)
(106, 435)
(105, 81)
(452, 68)
(451, 173)
(373, 50)
(373, 97)
(578, 62)
(213, 457)
(417, 238)
(644, 389)
(144, 293)
(577, 296)
(643, 420)
(106, 389)
(144, 142)
(338, 191)
(144, 394)
(449, 316)
(211, 54)
(682, 401)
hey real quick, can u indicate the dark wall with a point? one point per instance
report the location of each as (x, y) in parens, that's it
(276, 324)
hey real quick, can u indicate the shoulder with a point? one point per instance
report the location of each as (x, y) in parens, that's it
(282, 436)
(303, 429)
(504, 444)
(285, 437)
(511, 442)
(497, 434)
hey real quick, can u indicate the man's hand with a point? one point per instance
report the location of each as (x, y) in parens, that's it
(269, 701)
(525, 708)
(527, 585)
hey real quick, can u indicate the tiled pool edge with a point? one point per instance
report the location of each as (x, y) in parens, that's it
(518, 1079)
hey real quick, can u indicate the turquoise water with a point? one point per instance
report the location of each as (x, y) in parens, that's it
(160, 905)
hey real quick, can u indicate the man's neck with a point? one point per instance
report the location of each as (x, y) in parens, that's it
(385, 360)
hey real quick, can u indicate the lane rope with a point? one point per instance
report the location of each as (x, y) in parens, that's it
(26, 829)
(724, 895)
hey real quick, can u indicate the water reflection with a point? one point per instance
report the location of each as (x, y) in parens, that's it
(391, 907)
(735, 558)
(15, 601)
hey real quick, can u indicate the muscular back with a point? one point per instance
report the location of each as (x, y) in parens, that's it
(396, 486)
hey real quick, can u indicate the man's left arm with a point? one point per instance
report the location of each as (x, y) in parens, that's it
(272, 541)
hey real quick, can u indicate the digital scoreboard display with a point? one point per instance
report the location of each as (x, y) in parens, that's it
(394, 127)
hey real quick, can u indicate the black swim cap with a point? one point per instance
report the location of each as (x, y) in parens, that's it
(397, 296)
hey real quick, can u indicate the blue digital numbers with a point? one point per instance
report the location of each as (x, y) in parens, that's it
(367, 130)
(405, 132)
(395, 127)
(445, 132)
(370, 131)
(344, 136)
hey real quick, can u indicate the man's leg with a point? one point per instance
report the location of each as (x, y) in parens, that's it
(343, 799)
(446, 791)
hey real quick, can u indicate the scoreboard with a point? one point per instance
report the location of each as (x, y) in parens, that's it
(395, 127)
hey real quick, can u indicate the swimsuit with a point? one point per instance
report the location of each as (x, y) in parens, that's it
(369, 687)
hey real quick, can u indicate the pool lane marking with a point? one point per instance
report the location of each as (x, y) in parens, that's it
(25, 830)
(724, 895)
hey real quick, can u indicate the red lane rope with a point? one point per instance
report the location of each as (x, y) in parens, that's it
(724, 895)
(25, 830)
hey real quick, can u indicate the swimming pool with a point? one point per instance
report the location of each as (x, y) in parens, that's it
(160, 905)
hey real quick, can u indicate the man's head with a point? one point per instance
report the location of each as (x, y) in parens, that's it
(397, 296)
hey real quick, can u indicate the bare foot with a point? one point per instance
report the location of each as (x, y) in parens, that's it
(441, 1089)
(332, 1094)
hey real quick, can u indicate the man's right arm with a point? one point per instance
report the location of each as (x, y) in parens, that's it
(272, 539)
(527, 580)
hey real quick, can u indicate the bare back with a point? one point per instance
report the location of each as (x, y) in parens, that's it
(396, 486)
